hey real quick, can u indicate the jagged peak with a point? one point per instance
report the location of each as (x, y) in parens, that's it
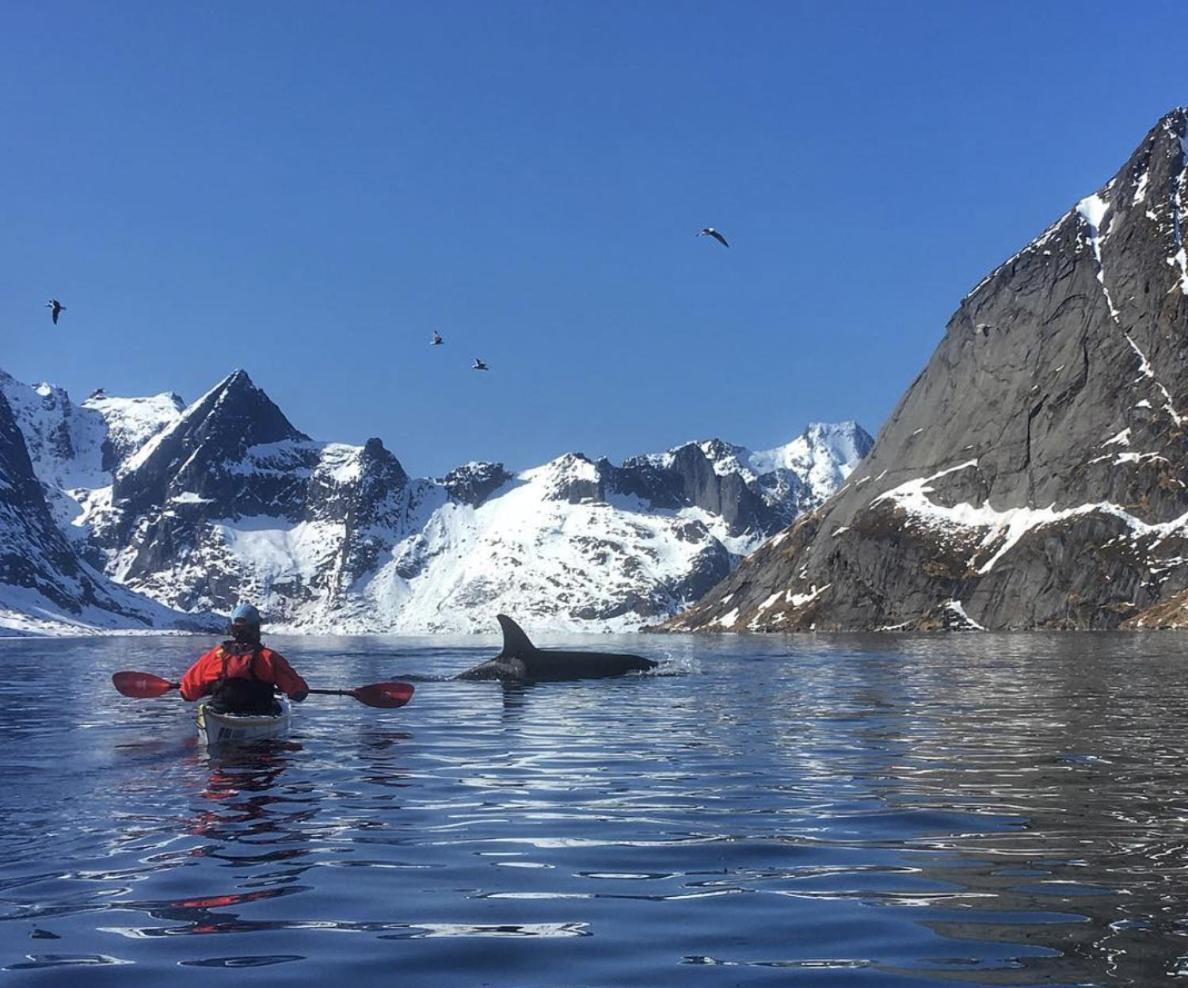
(235, 385)
(570, 477)
(847, 427)
(474, 482)
(238, 386)
(714, 448)
(235, 409)
(473, 468)
(374, 455)
(374, 447)
(237, 382)
(1165, 145)
(1175, 119)
(101, 399)
(567, 463)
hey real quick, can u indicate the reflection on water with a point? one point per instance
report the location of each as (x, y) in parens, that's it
(879, 810)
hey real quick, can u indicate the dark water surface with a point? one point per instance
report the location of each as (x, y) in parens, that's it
(835, 810)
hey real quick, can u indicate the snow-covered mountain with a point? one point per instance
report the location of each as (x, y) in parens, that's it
(197, 507)
(46, 584)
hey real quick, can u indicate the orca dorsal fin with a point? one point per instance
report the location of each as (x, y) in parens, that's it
(515, 642)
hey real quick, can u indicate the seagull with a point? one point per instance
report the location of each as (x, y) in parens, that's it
(437, 340)
(479, 365)
(55, 307)
(709, 231)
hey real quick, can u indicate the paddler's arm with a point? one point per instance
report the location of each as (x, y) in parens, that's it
(286, 678)
(201, 676)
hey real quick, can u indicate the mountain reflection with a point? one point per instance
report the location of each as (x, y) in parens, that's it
(1093, 869)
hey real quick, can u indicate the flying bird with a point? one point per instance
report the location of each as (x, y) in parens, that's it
(709, 231)
(479, 365)
(55, 307)
(437, 340)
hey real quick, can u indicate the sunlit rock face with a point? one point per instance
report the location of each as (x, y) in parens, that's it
(1033, 475)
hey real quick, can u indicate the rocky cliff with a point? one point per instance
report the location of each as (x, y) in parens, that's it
(1033, 475)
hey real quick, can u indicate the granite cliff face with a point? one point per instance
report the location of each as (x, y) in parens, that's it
(1033, 475)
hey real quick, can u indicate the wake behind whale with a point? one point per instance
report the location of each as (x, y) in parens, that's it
(521, 661)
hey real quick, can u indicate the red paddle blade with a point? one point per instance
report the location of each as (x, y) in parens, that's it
(141, 685)
(384, 694)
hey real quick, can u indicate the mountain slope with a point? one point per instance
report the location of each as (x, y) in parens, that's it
(1031, 476)
(44, 584)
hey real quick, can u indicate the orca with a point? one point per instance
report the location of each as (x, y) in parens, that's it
(522, 662)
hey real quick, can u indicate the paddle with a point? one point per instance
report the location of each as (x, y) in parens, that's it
(377, 694)
(143, 685)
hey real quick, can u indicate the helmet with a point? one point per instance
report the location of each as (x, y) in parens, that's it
(245, 614)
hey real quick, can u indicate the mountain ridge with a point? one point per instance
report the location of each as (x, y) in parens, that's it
(198, 506)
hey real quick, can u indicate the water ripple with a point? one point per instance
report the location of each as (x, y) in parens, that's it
(869, 810)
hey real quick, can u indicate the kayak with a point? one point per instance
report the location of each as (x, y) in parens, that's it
(217, 728)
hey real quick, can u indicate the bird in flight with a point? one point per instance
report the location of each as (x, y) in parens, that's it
(437, 340)
(479, 365)
(55, 307)
(709, 231)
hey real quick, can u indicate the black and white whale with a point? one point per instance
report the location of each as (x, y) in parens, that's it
(521, 661)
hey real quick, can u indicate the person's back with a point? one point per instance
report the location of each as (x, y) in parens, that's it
(241, 675)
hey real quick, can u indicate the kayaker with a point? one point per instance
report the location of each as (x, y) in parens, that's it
(240, 675)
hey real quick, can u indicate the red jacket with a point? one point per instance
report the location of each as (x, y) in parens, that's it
(264, 666)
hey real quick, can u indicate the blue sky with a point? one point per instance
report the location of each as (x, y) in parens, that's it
(308, 190)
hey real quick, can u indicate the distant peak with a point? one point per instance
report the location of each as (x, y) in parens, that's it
(832, 428)
(566, 459)
(238, 378)
(237, 396)
(1177, 115)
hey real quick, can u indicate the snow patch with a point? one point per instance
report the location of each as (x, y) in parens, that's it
(1140, 190)
(1002, 530)
(800, 599)
(728, 620)
(956, 608)
(189, 497)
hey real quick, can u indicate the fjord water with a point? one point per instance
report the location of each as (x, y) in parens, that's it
(841, 810)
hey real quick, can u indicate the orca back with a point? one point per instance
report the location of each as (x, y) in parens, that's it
(521, 661)
(557, 664)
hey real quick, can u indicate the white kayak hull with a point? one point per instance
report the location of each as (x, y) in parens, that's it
(215, 728)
